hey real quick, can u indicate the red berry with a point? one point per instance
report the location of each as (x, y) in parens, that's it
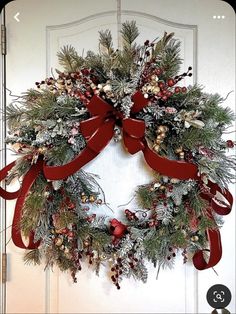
(70, 234)
(230, 143)
(170, 82)
(177, 89)
(158, 71)
(159, 94)
(169, 94)
(161, 85)
(184, 89)
(164, 98)
(71, 205)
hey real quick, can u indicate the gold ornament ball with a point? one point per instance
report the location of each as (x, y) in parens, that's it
(156, 147)
(156, 90)
(194, 238)
(86, 243)
(58, 241)
(144, 89)
(181, 155)
(158, 141)
(162, 135)
(42, 150)
(178, 150)
(162, 129)
(103, 257)
(83, 199)
(162, 187)
(92, 198)
(154, 77)
(159, 137)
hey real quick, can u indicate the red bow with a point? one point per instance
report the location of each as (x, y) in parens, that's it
(99, 130)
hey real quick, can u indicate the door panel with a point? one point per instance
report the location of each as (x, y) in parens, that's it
(32, 47)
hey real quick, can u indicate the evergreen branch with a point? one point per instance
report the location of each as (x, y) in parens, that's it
(69, 59)
(105, 40)
(129, 32)
(15, 115)
(33, 257)
(161, 44)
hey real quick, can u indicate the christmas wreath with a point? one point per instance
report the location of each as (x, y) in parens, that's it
(134, 95)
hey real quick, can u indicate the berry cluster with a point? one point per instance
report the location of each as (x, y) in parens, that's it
(117, 271)
(80, 84)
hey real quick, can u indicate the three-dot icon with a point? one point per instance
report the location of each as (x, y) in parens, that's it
(218, 17)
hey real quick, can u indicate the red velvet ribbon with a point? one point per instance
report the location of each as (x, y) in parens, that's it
(27, 183)
(99, 130)
(213, 235)
(21, 195)
(3, 193)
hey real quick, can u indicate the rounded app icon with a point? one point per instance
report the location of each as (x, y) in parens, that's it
(218, 296)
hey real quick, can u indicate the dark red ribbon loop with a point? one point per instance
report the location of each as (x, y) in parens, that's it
(3, 174)
(215, 251)
(215, 248)
(27, 183)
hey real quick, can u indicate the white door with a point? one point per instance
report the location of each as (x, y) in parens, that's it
(207, 45)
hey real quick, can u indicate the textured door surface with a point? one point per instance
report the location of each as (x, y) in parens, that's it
(208, 46)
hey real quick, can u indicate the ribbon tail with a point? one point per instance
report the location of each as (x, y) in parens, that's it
(171, 168)
(95, 145)
(61, 172)
(27, 183)
(220, 209)
(3, 174)
(215, 251)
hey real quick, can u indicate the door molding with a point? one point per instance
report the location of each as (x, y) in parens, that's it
(53, 30)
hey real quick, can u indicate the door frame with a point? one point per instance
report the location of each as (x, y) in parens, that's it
(2, 164)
